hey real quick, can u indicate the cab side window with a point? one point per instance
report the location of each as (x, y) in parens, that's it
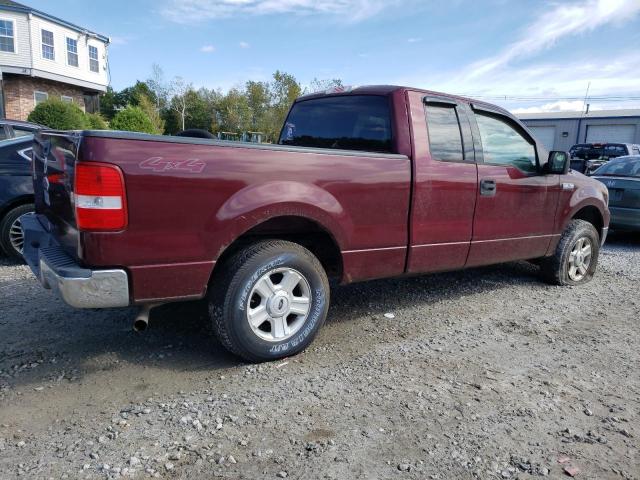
(445, 137)
(503, 145)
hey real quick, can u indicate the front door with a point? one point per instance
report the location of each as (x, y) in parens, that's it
(516, 203)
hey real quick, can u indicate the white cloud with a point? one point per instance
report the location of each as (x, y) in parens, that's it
(414, 40)
(560, 106)
(244, 45)
(553, 85)
(117, 40)
(207, 49)
(192, 11)
(546, 84)
(563, 20)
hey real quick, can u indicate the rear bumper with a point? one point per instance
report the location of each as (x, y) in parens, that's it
(625, 218)
(79, 287)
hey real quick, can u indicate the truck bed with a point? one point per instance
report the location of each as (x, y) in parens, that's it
(188, 198)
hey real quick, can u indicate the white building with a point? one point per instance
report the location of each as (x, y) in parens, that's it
(42, 56)
(561, 130)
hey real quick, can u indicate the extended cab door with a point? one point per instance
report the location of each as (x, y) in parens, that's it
(516, 202)
(444, 186)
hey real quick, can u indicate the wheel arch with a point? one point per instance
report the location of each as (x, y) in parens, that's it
(591, 214)
(298, 229)
(14, 203)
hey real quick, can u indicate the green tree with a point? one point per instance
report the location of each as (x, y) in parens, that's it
(258, 99)
(234, 112)
(109, 103)
(59, 115)
(284, 90)
(179, 99)
(319, 85)
(96, 122)
(200, 111)
(149, 108)
(158, 86)
(132, 119)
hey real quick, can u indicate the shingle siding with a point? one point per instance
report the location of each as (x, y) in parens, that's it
(26, 70)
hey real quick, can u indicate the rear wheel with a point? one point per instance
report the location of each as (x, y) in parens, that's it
(11, 234)
(576, 256)
(269, 301)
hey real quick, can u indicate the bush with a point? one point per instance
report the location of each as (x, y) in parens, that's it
(59, 115)
(132, 119)
(96, 122)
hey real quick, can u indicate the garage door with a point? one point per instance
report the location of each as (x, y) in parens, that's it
(610, 133)
(546, 135)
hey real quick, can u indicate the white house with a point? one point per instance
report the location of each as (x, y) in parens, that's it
(42, 56)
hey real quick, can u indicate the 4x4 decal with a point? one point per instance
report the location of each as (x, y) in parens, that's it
(159, 164)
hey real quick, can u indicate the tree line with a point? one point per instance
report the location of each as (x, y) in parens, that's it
(175, 105)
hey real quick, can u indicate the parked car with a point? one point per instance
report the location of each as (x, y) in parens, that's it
(622, 178)
(587, 157)
(17, 128)
(366, 183)
(16, 185)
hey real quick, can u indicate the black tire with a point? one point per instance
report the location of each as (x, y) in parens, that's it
(233, 290)
(556, 269)
(5, 230)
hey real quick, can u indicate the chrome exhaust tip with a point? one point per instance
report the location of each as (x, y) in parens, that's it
(141, 322)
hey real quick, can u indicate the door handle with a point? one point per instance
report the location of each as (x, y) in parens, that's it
(487, 187)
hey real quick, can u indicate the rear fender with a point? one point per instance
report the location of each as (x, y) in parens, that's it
(256, 204)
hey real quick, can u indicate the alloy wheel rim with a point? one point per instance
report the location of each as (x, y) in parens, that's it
(279, 304)
(580, 259)
(16, 235)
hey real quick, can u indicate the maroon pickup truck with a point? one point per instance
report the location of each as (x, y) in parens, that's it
(367, 183)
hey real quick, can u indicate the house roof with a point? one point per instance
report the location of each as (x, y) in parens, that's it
(19, 7)
(629, 112)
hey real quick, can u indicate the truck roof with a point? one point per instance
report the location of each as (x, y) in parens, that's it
(388, 90)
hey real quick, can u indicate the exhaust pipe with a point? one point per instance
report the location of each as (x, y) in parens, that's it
(141, 322)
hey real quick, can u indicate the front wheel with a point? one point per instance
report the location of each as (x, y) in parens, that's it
(270, 301)
(576, 256)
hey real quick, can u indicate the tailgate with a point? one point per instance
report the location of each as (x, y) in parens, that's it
(54, 158)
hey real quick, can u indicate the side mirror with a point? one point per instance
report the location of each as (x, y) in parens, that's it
(558, 163)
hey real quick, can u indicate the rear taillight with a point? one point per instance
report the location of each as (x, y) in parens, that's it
(101, 203)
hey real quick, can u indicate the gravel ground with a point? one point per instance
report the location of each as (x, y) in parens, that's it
(486, 373)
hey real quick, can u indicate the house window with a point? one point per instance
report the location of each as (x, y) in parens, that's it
(66, 98)
(72, 52)
(40, 97)
(47, 45)
(6, 36)
(94, 64)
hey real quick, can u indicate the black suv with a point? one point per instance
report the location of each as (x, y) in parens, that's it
(16, 187)
(587, 157)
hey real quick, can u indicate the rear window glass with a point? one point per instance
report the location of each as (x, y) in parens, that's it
(354, 122)
(617, 150)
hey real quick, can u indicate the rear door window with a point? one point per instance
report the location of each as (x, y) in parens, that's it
(348, 122)
(445, 137)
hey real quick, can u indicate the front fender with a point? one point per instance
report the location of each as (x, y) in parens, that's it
(258, 203)
(591, 194)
